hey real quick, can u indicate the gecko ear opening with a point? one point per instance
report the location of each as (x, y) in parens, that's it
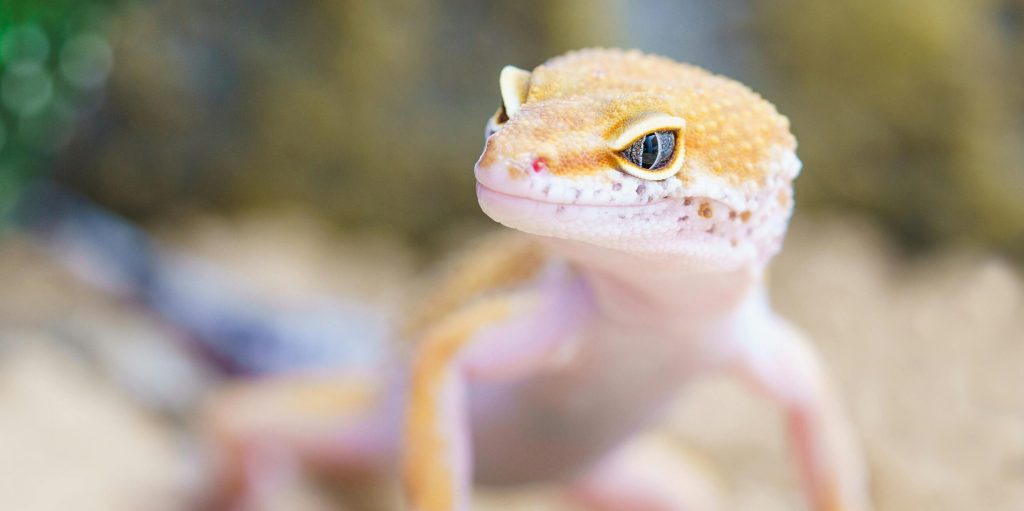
(514, 83)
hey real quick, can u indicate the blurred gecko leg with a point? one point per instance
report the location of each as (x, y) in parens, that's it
(491, 339)
(333, 424)
(648, 474)
(787, 369)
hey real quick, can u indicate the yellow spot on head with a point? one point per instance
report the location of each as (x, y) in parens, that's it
(574, 101)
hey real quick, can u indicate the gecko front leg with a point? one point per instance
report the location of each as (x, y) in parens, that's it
(779, 361)
(494, 338)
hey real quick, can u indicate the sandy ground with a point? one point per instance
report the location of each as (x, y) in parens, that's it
(929, 354)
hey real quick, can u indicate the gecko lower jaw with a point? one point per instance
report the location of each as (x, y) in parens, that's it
(689, 232)
(615, 211)
(687, 216)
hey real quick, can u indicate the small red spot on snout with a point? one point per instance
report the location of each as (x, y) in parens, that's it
(539, 164)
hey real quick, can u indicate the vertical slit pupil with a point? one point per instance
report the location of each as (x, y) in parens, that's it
(650, 151)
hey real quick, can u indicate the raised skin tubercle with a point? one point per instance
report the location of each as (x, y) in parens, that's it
(556, 163)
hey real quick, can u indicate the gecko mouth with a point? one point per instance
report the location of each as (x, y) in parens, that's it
(558, 219)
(483, 190)
(610, 209)
(670, 226)
(686, 214)
(702, 207)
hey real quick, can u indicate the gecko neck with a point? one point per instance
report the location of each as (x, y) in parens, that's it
(632, 288)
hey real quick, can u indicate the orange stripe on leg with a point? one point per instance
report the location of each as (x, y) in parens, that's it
(428, 472)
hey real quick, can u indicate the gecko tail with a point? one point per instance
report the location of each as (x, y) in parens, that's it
(235, 332)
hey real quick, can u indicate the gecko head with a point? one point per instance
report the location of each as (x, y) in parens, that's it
(641, 155)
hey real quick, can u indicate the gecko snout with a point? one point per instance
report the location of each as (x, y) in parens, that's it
(513, 174)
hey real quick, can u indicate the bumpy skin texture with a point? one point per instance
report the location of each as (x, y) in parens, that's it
(576, 103)
(666, 273)
(549, 351)
(737, 159)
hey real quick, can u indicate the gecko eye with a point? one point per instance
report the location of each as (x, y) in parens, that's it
(652, 151)
(651, 146)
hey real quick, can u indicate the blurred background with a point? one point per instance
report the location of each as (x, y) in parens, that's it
(321, 152)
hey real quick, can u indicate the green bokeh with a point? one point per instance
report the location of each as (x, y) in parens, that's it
(53, 58)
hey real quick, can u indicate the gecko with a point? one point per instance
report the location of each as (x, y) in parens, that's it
(644, 200)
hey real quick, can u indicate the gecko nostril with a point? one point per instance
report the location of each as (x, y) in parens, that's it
(539, 164)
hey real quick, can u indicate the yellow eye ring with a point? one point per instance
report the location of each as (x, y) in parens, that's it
(652, 147)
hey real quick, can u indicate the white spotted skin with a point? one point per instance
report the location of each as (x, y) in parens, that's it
(704, 225)
(554, 165)
(640, 285)
(671, 266)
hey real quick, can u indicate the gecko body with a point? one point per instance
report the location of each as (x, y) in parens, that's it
(649, 197)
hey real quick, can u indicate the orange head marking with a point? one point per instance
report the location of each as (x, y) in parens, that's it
(577, 106)
(606, 127)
